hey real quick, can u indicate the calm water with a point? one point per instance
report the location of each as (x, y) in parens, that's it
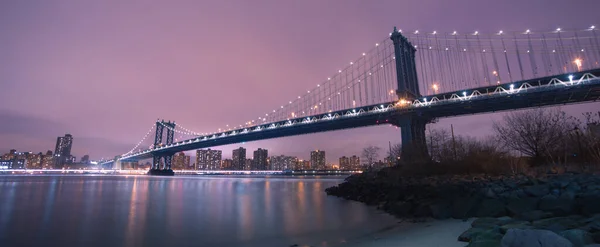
(179, 211)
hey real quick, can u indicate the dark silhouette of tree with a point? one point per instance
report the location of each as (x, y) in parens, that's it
(537, 133)
(370, 155)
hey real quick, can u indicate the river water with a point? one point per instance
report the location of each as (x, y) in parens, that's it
(98, 210)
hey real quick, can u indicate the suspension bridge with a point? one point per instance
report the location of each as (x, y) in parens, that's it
(409, 79)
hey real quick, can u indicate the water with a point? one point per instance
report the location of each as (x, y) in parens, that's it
(179, 211)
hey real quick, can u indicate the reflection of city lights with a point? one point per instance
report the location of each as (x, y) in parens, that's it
(435, 88)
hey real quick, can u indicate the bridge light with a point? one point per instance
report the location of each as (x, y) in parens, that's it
(570, 77)
(376, 44)
(381, 106)
(464, 93)
(425, 99)
(454, 33)
(434, 32)
(364, 54)
(527, 31)
(558, 29)
(476, 32)
(512, 86)
(592, 27)
(578, 63)
(417, 32)
(435, 88)
(499, 33)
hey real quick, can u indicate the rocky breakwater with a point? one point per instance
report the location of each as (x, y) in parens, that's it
(567, 205)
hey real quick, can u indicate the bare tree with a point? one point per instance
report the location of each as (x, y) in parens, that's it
(395, 153)
(370, 155)
(537, 133)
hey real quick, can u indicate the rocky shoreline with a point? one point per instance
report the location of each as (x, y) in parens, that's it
(510, 209)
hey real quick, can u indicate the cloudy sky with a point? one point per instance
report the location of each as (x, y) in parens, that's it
(104, 71)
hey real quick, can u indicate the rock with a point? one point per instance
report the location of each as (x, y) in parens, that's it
(491, 208)
(573, 187)
(596, 237)
(558, 224)
(521, 205)
(535, 215)
(464, 207)
(398, 208)
(490, 235)
(536, 190)
(490, 243)
(486, 223)
(557, 206)
(590, 204)
(489, 193)
(470, 234)
(515, 225)
(533, 238)
(578, 238)
(440, 210)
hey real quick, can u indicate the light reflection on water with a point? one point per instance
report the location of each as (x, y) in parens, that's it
(178, 211)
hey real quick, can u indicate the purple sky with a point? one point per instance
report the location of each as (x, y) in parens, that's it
(104, 71)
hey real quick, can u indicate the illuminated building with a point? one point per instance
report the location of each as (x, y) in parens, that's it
(180, 161)
(239, 159)
(260, 159)
(317, 160)
(208, 159)
(282, 162)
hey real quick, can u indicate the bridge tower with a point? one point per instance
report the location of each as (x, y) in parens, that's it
(412, 127)
(156, 168)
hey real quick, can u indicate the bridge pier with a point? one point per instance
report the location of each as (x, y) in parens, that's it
(156, 169)
(414, 144)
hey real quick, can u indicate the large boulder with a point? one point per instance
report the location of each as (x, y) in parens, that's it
(464, 207)
(491, 208)
(535, 215)
(578, 237)
(590, 203)
(533, 238)
(558, 224)
(518, 206)
(515, 225)
(537, 190)
(470, 234)
(557, 206)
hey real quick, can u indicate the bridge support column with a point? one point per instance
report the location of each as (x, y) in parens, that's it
(414, 145)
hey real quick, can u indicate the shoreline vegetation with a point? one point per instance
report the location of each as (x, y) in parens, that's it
(547, 195)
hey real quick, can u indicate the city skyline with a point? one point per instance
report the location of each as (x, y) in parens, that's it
(105, 88)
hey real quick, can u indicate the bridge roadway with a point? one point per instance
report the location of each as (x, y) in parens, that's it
(546, 91)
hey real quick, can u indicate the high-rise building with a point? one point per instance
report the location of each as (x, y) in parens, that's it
(48, 160)
(85, 159)
(62, 151)
(208, 159)
(34, 161)
(226, 164)
(317, 160)
(282, 162)
(350, 163)
(355, 163)
(344, 163)
(239, 159)
(260, 159)
(303, 165)
(180, 161)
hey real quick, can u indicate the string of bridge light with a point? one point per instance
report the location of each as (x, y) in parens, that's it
(501, 32)
(308, 92)
(475, 33)
(141, 141)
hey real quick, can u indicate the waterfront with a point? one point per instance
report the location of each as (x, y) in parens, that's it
(100, 210)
